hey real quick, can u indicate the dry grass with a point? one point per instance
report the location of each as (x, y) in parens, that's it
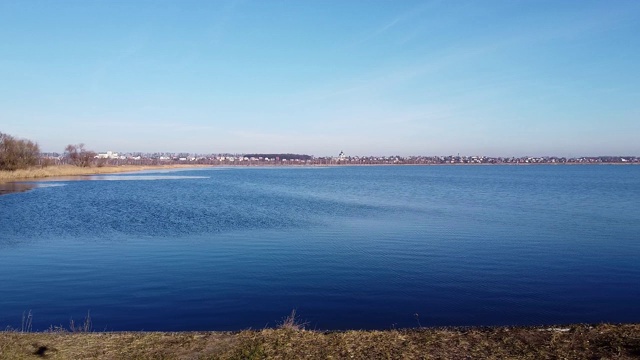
(70, 170)
(576, 342)
(292, 322)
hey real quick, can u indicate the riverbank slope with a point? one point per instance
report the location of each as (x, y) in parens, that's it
(566, 342)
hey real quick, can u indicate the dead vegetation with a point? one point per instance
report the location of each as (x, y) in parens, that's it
(292, 322)
(603, 341)
(71, 170)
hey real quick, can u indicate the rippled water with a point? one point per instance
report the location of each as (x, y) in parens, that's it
(348, 247)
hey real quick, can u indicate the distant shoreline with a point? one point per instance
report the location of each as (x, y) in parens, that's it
(12, 181)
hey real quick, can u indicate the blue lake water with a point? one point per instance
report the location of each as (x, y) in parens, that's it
(348, 247)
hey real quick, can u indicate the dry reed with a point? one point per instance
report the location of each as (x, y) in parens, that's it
(70, 170)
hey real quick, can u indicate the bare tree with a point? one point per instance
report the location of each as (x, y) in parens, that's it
(78, 155)
(17, 153)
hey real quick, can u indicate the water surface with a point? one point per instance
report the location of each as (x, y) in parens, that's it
(348, 247)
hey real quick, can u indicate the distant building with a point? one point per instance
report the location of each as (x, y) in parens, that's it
(107, 155)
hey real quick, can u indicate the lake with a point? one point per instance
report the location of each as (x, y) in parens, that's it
(347, 247)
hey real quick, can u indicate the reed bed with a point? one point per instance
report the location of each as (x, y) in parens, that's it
(70, 170)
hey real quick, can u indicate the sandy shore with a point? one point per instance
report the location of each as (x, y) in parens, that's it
(602, 341)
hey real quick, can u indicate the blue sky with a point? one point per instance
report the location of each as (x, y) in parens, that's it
(506, 78)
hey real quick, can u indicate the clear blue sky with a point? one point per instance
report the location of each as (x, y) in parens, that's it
(368, 77)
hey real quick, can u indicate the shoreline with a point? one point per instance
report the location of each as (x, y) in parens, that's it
(17, 181)
(71, 170)
(619, 341)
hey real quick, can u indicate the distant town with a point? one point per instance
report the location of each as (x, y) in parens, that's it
(255, 159)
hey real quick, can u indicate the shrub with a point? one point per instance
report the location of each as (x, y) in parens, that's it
(78, 155)
(17, 153)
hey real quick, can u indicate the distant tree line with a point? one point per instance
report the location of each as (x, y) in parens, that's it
(17, 153)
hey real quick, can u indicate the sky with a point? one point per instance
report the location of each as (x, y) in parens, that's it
(495, 78)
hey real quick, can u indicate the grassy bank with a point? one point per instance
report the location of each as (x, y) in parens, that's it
(572, 342)
(70, 170)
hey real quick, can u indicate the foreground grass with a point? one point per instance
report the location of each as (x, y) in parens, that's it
(602, 341)
(70, 170)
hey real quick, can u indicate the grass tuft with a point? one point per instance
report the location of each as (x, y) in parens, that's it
(85, 327)
(292, 322)
(27, 322)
